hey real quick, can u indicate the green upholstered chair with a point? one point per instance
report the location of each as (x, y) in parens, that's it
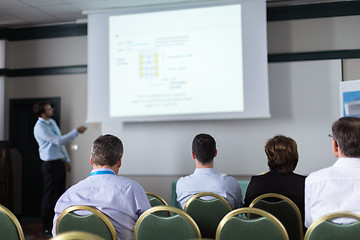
(10, 228)
(156, 200)
(324, 229)
(95, 222)
(77, 235)
(236, 226)
(283, 209)
(179, 226)
(207, 213)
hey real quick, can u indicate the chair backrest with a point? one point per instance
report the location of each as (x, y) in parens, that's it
(10, 227)
(285, 210)
(77, 235)
(179, 226)
(207, 213)
(96, 222)
(323, 228)
(236, 226)
(156, 200)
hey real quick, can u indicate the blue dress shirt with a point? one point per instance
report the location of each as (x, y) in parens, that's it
(123, 200)
(51, 142)
(207, 180)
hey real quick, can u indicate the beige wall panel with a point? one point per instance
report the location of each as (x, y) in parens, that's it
(51, 52)
(351, 69)
(311, 35)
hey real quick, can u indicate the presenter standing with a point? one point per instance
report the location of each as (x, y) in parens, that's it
(55, 159)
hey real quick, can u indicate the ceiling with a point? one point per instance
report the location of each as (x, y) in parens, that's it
(25, 13)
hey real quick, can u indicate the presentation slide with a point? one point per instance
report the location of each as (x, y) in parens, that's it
(178, 62)
(187, 61)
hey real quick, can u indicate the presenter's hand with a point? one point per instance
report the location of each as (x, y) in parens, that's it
(68, 166)
(81, 129)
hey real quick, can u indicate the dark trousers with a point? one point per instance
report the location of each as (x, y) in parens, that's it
(54, 174)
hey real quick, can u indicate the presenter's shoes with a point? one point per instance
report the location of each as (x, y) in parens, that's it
(47, 233)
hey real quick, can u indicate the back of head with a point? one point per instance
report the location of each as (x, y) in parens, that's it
(107, 150)
(39, 108)
(282, 154)
(346, 132)
(204, 148)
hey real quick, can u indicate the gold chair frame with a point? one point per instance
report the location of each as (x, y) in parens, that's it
(286, 199)
(14, 220)
(202, 194)
(328, 217)
(156, 196)
(170, 209)
(256, 211)
(78, 235)
(93, 210)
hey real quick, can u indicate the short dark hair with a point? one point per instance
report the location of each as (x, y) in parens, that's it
(282, 154)
(39, 108)
(107, 150)
(204, 148)
(346, 132)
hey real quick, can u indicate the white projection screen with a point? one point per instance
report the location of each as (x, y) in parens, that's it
(189, 61)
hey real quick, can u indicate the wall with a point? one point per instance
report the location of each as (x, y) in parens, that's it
(283, 37)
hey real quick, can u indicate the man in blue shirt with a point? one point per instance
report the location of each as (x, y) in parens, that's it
(121, 199)
(55, 159)
(205, 178)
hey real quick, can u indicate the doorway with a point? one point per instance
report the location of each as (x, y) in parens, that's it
(21, 137)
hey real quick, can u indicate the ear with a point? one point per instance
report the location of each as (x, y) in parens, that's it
(215, 153)
(91, 161)
(193, 155)
(336, 148)
(120, 162)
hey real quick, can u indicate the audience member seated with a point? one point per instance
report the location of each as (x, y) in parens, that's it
(282, 157)
(205, 178)
(121, 199)
(336, 188)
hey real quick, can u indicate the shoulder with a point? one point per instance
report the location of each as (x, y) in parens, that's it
(318, 175)
(183, 180)
(298, 176)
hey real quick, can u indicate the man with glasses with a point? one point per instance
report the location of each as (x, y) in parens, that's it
(337, 188)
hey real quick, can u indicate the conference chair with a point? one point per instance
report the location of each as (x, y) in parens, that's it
(77, 235)
(236, 226)
(94, 222)
(207, 213)
(156, 200)
(10, 228)
(283, 209)
(178, 226)
(324, 229)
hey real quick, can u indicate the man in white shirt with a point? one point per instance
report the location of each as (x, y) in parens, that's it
(205, 178)
(337, 188)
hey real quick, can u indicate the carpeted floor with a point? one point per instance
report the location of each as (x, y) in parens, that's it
(32, 229)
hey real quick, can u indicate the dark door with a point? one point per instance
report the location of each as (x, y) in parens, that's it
(22, 121)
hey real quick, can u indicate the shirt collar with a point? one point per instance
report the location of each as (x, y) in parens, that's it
(47, 121)
(204, 170)
(102, 169)
(348, 162)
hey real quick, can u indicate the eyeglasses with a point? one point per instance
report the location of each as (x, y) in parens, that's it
(331, 135)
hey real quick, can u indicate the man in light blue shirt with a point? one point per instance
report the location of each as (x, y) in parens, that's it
(55, 159)
(205, 178)
(121, 199)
